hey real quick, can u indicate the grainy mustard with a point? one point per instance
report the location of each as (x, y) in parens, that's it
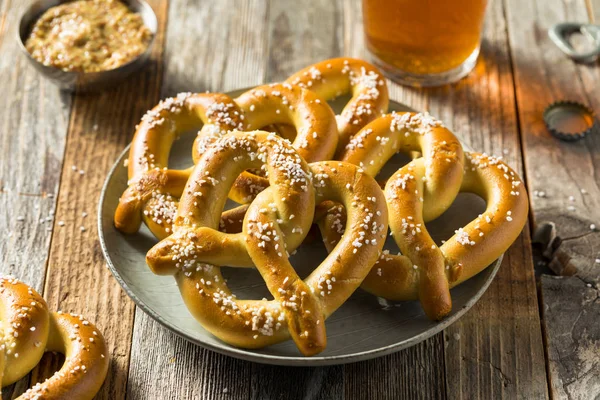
(88, 36)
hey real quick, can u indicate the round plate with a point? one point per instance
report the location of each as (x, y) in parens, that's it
(364, 327)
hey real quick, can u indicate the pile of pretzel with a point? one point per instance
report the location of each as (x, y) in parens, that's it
(309, 166)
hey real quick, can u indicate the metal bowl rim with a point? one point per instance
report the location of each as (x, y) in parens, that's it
(143, 3)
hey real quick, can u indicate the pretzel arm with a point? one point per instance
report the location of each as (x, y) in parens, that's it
(392, 276)
(404, 192)
(305, 319)
(232, 220)
(86, 360)
(483, 240)
(250, 324)
(363, 233)
(162, 125)
(145, 200)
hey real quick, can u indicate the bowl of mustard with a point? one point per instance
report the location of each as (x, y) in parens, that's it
(87, 45)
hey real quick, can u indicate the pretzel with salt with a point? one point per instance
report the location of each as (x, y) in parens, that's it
(339, 76)
(419, 192)
(153, 190)
(28, 330)
(276, 223)
(316, 130)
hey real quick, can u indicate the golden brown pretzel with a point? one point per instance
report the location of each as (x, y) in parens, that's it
(27, 330)
(316, 130)
(276, 223)
(154, 190)
(421, 191)
(470, 250)
(339, 76)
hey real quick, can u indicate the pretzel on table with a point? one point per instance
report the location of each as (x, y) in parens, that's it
(28, 330)
(421, 191)
(276, 223)
(340, 76)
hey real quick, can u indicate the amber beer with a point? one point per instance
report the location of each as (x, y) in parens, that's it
(424, 42)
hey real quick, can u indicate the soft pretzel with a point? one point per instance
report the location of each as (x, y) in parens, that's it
(421, 191)
(407, 132)
(470, 250)
(28, 330)
(276, 223)
(339, 76)
(316, 131)
(154, 190)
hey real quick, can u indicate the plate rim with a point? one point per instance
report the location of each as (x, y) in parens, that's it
(249, 355)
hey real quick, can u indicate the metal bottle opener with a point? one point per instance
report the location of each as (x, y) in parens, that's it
(560, 33)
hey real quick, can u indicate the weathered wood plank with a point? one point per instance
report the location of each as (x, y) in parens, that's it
(543, 74)
(414, 373)
(165, 366)
(291, 383)
(303, 33)
(200, 55)
(573, 336)
(561, 170)
(495, 350)
(77, 280)
(486, 361)
(34, 116)
(484, 358)
(300, 34)
(417, 372)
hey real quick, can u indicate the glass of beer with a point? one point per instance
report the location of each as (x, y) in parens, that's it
(424, 42)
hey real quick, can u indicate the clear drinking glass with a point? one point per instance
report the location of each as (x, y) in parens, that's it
(424, 42)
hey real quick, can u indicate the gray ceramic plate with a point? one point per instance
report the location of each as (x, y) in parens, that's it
(364, 327)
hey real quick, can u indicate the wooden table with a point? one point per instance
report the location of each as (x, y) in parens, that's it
(526, 338)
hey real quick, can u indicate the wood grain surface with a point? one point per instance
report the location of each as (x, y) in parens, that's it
(483, 359)
(161, 362)
(567, 174)
(100, 126)
(34, 117)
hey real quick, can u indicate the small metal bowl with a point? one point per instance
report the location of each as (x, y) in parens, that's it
(85, 81)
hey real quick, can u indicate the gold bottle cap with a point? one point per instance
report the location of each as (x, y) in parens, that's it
(569, 120)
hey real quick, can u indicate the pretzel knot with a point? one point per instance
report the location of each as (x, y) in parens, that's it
(340, 76)
(421, 191)
(28, 330)
(315, 136)
(153, 191)
(275, 224)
